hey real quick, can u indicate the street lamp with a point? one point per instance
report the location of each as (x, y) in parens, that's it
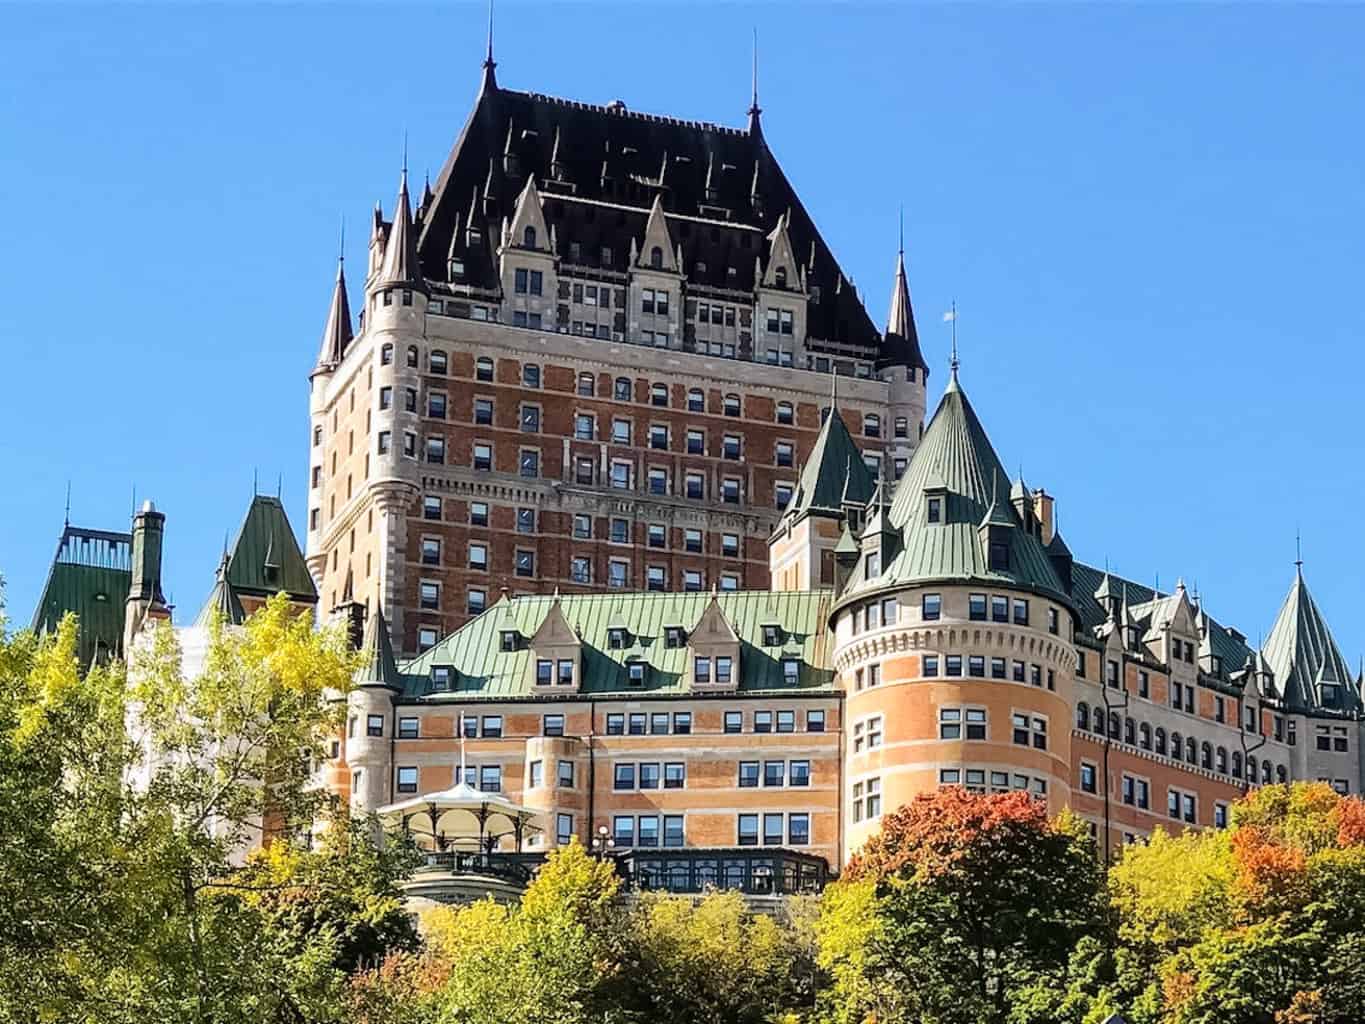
(602, 843)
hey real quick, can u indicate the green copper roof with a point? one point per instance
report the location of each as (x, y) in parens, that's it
(834, 472)
(1303, 654)
(483, 669)
(90, 577)
(265, 558)
(955, 457)
(222, 600)
(379, 665)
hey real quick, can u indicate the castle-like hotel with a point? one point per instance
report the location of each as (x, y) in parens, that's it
(639, 519)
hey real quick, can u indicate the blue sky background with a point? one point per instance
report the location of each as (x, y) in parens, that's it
(1150, 217)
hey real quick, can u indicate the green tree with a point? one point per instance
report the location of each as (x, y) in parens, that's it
(959, 903)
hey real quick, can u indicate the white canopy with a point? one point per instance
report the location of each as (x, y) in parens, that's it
(460, 813)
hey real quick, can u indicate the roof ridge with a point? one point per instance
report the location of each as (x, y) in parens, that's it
(618, 108)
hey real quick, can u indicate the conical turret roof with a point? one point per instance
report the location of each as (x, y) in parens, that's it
(834, 473)
(401, 266)
(379, 667)
(337, 334)
(1303, 654)
(902, 340)
(956, 456)
(222, 600)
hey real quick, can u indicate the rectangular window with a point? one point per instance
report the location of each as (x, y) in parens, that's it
(537, 773)
(616, 725)
(774, 772)
(374, 725)
(552, 725)
(624, 777)
(1087, 777)
(763, 721)
(673, 830)
(1020, 612)
(931, 606)
(623, 830)
(734, 721)
(649, 775)
(637, 723)
(747, 830)
(772, 830)
(748, 774)
(1000, 609)
(566, 774)
(490, 778)
(976, 607)
(492, 726)
(564, 829)
(675, 775)
(798, 829)
(407, 780)
(407, 728)
(930, 666)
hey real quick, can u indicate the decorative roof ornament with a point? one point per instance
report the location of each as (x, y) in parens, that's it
(900, 320)
(490, 79)
(755, 111)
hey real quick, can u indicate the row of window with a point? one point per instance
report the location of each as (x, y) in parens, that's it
(985, 780)
(633, 775)
(797, 829)
(1181, 748)
(976, 668)
(564, 777)
(658, 723)
(774, 773)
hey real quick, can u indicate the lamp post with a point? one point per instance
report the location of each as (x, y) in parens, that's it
(602, 843)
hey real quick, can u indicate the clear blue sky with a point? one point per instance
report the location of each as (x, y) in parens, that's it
(1151, 219)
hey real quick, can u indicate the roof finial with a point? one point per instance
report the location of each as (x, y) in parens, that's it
(951, 317)
(66, 518)
(279, 486)
(901, 247)
(255, 490)
(405, 156)
(341, 246)
(488, 60)
(754, 109)
(1298, 551)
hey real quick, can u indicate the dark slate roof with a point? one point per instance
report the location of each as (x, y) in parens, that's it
(337, 333)
(834, 472)
(483, 669)
(599, 169)
(266, 539)
(90, 577)
(1303, 654)
(900, 321)
(956, 456)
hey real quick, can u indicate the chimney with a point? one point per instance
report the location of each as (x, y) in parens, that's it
(1043, 508)
(149, 528)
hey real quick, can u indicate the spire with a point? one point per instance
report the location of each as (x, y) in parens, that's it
(834, 473)
(379, 666)
(755, 111)
(222, 600)
(1303, 654)
(400, 266)
(490, 78)
(953, 363)
(902, 340)
(337, 334)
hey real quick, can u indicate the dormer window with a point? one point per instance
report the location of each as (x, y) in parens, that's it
(701, 670)
(723, 670)
(545, 671)
(528, 237)
(772, 636)
(1331, 693)
(564, 672)
(616, 639)
(780, 276)
(998, 556)
(656, 258)
(674, 636)
(874, 564)
(440, 677)
(635, 673)
(510, 640)
(934, 510)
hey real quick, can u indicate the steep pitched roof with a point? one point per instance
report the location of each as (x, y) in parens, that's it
(379, 666)
(222, 600)
(600, 168)
(900, 321)
(337, 334)
(1304, 655)
(834, 472)
(90, 577)
(265, 557)
(481, 668)
(401, 265)
(955, 455)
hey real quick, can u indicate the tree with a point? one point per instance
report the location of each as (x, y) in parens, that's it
(1259, 924)
(713, 961)
(956, 904)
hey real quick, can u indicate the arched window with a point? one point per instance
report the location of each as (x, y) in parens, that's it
(1220, 760)
(785, 413)
(621, 389)
(528, 237)
(780, 276)
(696, 400)
(1129, 731)
(1251, 770)
(386, 354)
(658, 395)
(1082, 715)
(1177, 746)
(483, 368)
(1191, 750)
(1113, 725)
(586, 384)
(1281, 776)
(1206, 756)
(413, 357)
(1265, 772)
(1236, 764)
(1098, 720)
(1161, 741)
(1145, 736)
(656, 258)
(438, 362)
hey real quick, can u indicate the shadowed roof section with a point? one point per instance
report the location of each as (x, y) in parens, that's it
(482, 669)
(90, 577)
(265, 557)
(599, 170)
